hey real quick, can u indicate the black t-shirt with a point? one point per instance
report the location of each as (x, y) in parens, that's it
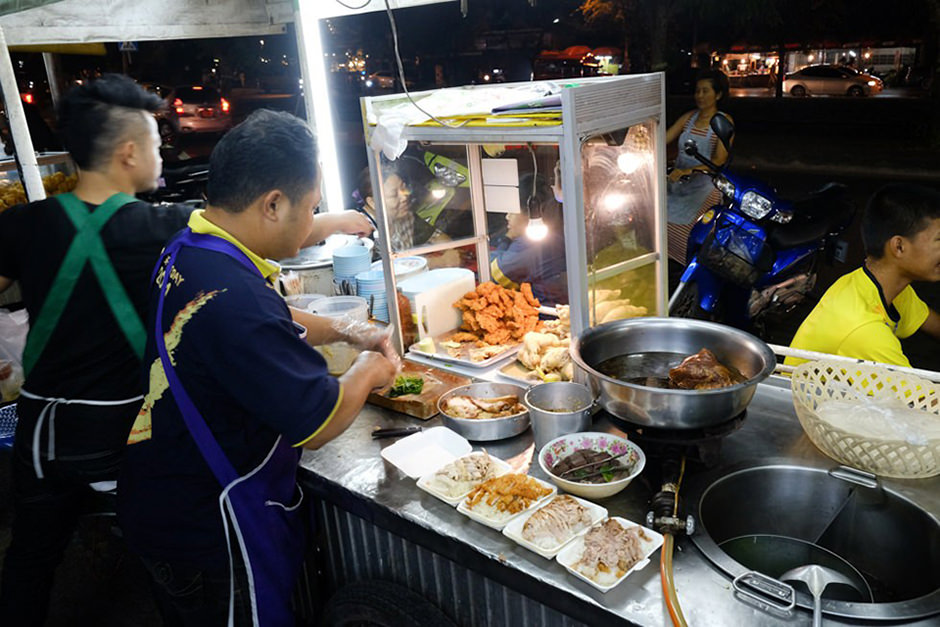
(87, 356)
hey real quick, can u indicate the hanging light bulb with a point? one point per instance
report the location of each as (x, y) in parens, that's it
(536, 230)
(629, 162)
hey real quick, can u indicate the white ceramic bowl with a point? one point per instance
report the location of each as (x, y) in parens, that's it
(561, 447)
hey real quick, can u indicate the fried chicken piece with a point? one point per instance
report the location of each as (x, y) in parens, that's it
(496, 315)
(463, 336)
(526, 290)
(470, 322)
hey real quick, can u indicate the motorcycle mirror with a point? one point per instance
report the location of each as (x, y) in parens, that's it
(723, 129)
(690, 147)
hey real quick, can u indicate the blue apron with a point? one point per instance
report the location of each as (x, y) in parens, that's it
(260, 510)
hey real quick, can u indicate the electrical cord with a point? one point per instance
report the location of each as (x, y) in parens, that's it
(352, 8)
(401, 72)
(535, 168)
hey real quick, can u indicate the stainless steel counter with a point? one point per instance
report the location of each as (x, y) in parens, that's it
(350, 474)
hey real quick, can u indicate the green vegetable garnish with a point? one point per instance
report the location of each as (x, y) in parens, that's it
(406, 385)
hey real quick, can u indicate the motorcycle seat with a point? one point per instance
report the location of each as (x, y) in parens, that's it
(814, 217)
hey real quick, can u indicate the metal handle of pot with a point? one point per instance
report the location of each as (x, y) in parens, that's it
(766, 590)
(854, 475)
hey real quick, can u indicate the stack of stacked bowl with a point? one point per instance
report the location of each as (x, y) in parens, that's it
(349, 261)
(405, 267)
(370, 285)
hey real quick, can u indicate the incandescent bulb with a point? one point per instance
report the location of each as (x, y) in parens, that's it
(629, 162)
(536, 230)
(614, 201)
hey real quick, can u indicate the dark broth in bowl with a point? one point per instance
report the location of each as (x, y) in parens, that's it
(610, 471)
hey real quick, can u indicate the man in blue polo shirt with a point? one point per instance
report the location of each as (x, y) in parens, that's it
(208, 495)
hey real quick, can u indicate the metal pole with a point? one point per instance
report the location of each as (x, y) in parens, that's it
(22, 142)
(317, 100)
(52, 76)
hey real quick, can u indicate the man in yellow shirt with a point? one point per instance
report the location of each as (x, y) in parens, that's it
(867, 312)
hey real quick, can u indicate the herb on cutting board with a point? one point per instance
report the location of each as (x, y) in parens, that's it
(405, 384)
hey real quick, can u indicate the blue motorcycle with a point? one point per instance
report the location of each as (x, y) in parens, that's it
(754, 255)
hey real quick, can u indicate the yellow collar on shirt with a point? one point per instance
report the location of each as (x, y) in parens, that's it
(199, 224)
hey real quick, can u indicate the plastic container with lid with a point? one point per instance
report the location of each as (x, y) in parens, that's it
(353, 307)
(340, 356)
(302, 301)
(431, 279)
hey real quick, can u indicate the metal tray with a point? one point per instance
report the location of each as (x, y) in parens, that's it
(443, 356)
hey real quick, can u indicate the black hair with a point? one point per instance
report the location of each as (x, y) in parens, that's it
(364, 184)
(94, 118)
(897, 209)
(269, 150)
(719, 81)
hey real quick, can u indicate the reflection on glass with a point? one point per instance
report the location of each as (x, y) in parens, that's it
(527, 242)
(427, 196)
(619, 207)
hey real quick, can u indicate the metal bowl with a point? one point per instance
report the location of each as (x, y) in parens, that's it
(669, 408)
(487, 429)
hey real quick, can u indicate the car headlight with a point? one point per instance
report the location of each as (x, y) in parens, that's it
(872, 83)
(755, 205)
(725, 186)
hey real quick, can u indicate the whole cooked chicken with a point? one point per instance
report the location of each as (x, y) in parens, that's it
(546, 353)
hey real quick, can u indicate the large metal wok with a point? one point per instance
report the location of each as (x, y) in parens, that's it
(672, 408)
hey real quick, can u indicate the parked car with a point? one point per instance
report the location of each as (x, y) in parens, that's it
(195, 109)
(384, 79)
(831, 80)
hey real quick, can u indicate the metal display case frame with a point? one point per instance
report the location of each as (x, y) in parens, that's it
(589, 107)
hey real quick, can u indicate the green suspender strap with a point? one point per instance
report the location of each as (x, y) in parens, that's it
(86, 247)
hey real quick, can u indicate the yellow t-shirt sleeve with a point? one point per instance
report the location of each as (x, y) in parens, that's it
(913, 312)
(339, 401)
(875, 342)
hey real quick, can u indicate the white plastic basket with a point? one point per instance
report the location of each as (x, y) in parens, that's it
(815, 382)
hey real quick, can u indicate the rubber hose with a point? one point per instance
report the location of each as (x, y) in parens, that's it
(668, 583)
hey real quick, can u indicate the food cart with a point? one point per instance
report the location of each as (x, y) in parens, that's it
(374, 522)
(606, 135)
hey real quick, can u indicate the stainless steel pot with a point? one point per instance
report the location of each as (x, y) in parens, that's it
(488, 429)
(314, 264)
(668, 408)
(557, 409)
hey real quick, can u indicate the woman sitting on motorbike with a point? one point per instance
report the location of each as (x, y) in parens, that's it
(689, 190)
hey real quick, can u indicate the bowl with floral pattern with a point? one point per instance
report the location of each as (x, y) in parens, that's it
(584, 455)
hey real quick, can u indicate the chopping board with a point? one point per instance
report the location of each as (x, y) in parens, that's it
(434, 308)
(423, 405)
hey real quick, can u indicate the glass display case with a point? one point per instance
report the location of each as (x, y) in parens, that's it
(58, 176)
(559, 185)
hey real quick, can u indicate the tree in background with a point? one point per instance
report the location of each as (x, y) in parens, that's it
(645, 25)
